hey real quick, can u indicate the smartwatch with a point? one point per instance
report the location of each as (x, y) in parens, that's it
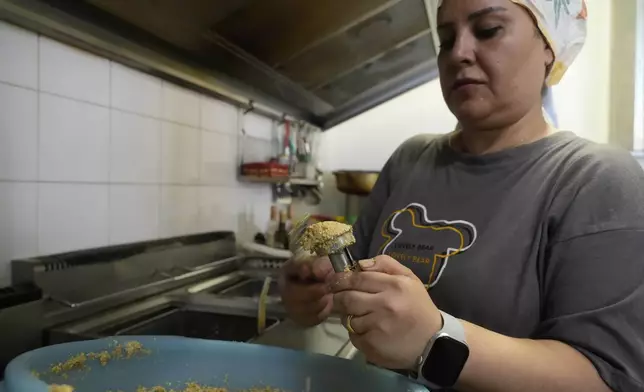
(442, 361)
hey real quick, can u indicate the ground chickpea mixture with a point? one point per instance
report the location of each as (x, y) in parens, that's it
(79, 361)
(190, 387)
(319, 237)
(193, 387)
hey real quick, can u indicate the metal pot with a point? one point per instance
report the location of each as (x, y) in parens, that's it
(356, 182)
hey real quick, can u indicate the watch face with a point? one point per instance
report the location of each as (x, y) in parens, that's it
(445, 361)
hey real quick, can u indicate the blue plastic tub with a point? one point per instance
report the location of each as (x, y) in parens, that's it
(174, 361)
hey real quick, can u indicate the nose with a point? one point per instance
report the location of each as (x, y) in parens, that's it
(463, 51)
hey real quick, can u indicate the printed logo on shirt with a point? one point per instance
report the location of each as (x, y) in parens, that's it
(425, 245)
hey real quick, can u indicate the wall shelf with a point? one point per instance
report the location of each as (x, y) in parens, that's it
(280, 180)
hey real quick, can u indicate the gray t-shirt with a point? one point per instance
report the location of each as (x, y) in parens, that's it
(542, 241)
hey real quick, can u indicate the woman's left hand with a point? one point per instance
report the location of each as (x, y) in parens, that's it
(392, 314)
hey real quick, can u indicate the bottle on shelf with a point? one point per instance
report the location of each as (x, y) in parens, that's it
(281, 235)
(273, 225)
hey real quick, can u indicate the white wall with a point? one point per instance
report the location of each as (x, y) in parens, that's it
(582, 102)
(624, 79)
(583, 99)
(93, 153)
(366, 141)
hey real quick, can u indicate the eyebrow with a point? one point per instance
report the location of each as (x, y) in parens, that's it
(485, 11)
(478, 14)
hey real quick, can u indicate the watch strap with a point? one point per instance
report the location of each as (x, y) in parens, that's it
(453, 327)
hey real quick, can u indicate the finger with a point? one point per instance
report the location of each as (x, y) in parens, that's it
(368, 282)
(361, 340)
(385, 264)
(321, 268)
(355, 302)
(313, 308)
(308, 316)
(303, 292)
(362, 324)
(326, 307)
(308, 270)
(347, 321)
(298, 270)
(364, 342)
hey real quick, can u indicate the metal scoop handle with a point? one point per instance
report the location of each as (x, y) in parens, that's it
(343, 261)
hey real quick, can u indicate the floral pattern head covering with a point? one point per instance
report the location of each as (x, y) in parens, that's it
(562, 23)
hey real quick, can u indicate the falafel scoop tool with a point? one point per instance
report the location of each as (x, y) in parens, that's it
(331, 239)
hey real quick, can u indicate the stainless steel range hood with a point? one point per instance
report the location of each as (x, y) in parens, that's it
(323, 61)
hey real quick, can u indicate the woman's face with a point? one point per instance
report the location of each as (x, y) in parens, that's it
(492, 61)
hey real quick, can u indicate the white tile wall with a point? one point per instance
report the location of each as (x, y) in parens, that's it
(253, 213)
(179, 210)
(72, 216)
(218, 207)
(179, 105)
(134, 213)
(135, 148)
(258, 127)
(18, 133)
(18, 56)
(218, 116)
(94, 153)
(73, 73)
(218, 158)
(180, 154)
(74, 140)
(135, 91)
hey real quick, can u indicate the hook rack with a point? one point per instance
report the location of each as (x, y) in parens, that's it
(251, 107)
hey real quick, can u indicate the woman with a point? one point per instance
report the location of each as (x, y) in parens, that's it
(533, 239)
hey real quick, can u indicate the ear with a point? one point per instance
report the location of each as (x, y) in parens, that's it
(549, 57)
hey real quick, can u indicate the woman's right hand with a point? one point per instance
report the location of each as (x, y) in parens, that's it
(305, 293)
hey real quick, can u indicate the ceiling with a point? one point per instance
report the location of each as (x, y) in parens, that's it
(329, 59)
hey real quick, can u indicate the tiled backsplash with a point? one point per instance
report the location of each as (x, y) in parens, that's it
(93, 153)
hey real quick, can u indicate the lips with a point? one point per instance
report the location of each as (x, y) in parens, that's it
(465, 82)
